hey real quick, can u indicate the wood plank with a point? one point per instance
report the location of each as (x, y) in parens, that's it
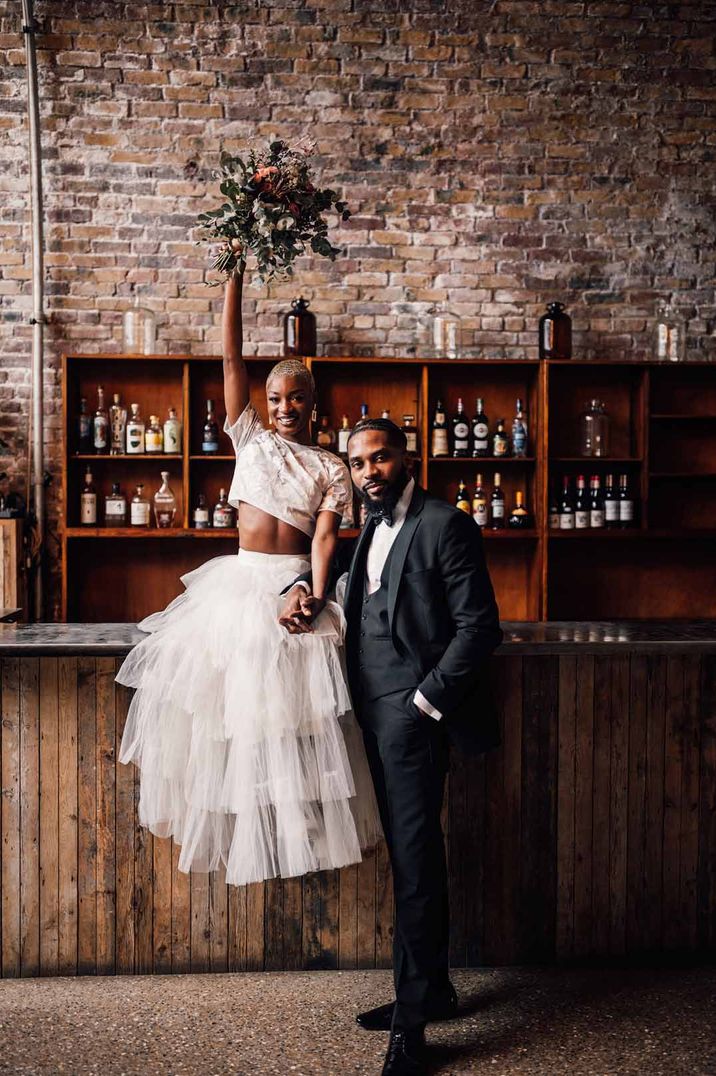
(87, 816)
(601, 797)
(566, 786)
(143, 891)
(690, 788)
(292, 924)
(255, 916)
(10, 818)
(237, 928)
(673, 765)
(124, 849)
(67, 822)
(162, 905)
(706, 881)
(200, 922)
(329, 882)
(30, 816)
(49, 816)
(219, 918)
(106, 771)
(365, 909)
(311, 920)
(181, 915)
(637, 891)
(274, 925)
(348, 918)
(583, 805)
(654, 848)
(384, 909)
(619, 803)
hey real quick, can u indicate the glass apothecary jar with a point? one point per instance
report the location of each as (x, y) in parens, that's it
(594, 429)
(447, 333)
(669, 334)
(165, 505)
(139, 330)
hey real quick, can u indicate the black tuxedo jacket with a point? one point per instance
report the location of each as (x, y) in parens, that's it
(442, 611)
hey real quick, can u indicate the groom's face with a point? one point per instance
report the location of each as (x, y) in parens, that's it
(375, 465)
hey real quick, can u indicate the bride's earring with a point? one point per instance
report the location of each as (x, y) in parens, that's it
(314, 413)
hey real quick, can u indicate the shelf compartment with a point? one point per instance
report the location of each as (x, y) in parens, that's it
(477, 460)
(683, 388)
(571, 388)
(105, 471)
(153, 457)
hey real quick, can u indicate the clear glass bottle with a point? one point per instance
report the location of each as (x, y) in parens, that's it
(201, 514)
(343, 435)
(165, 503)
(326, 436)
(135, 432)
(139, 330)
(447, 332)
(139, 508)
(669, 334)
(115, 508)
(153, 436)
(594, 429)
(118, 426)
(88, 502)
(100, 425)
(223, 512)
(172, 434)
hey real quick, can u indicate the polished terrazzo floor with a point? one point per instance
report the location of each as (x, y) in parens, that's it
(513, 1020)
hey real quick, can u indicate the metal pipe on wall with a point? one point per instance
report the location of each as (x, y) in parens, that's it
(38, 317)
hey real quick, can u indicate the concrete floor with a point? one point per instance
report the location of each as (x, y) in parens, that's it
(513, 1020)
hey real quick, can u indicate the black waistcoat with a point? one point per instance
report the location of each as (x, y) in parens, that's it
(376, 668)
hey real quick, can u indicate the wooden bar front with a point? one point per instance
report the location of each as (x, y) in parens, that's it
(590, 833)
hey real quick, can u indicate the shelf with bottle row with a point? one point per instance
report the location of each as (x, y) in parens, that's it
(641, 533)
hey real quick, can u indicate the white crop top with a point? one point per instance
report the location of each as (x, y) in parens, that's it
(289, 481)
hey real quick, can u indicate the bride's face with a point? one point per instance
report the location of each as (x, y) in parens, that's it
(289, 406)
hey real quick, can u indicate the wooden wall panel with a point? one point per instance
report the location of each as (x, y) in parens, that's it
(591, 832)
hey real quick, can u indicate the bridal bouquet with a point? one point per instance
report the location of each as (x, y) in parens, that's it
(272, 209)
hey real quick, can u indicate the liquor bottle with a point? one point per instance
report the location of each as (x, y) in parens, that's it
(326, 436)
(88, 502)
(223, 512)
(139, 508)
(135, 432)
(363, 413)
(385, 414)
(566, 507)
(519, 432)
(555, 333)
(626, 503)
(411, 434)
(611, 504)
(100, 425)
(462, 501)
(581, 505)
(210, 433)
(115, 508)
(520, 517)
(596, 503)
(497, 504)
(460, 432)
(165, 503)
(84, 429)
(172, 433)
(343, 435)
(480, 430)
(553, 510)
(440, 445)
(500, 444)
(118, 426)
(153, 436)
(479, 503)
(201, 513)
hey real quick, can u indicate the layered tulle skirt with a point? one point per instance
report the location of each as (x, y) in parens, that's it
(248, 750)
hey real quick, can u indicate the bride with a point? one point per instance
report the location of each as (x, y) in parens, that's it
(248, 750)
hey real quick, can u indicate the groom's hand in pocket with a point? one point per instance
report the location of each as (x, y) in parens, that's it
(299, 610)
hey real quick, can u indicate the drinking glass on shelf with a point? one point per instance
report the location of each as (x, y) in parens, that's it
(447, 336)
(594, 429)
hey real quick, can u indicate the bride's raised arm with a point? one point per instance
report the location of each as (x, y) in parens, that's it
(236, 380)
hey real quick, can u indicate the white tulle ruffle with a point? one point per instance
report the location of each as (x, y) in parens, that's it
(249, 753)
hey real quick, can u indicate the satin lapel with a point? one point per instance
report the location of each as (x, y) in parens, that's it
(355, 576)
(400, 549)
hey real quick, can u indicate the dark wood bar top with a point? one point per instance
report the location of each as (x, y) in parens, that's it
(521, 637)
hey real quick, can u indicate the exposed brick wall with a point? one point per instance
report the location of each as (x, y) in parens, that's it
(497, 154)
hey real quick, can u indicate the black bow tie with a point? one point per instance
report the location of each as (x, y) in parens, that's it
(382, 515)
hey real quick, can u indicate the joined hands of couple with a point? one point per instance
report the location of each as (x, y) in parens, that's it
(300, 610)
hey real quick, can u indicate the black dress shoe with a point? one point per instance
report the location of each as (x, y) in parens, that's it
(381, 1019)
(406, 1053)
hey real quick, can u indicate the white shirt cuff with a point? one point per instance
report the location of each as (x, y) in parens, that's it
(422, 704)
(302, 583)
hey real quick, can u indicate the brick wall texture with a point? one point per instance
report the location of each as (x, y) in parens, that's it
(495, 154)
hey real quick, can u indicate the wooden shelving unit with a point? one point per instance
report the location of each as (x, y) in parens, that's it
(663, 434)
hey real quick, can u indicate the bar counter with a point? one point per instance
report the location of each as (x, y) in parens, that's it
(589, 834)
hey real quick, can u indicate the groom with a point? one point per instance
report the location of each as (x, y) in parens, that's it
(421, 622)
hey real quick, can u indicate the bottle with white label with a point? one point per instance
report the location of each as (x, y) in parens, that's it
(118, 426)
(581, 505)
(411, 434)
(135, 432)
(223, 512)
(479, 503)
(553, 508)
(172, 434)
(480, 430)
(139, 509)
(566, 507)
(210, 431)
(626, 503)
(115, 508)
(165, 503)
(201, 513)
(460, 432)
(153, 436)
(88, 502)
(100, 425)
(440, 445)
(596, 503)
(611, 504)
(497, 504)
(519, 432)
(500, 443)
(343, 435)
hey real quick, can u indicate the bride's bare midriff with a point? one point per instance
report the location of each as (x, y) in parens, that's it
(262, 533)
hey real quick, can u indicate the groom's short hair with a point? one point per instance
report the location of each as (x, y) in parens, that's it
(394, 435)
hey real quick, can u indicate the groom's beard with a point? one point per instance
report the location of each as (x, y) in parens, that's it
(379, 507)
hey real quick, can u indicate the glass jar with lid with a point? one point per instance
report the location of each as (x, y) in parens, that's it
(594, 429)
(447, 332)
(139, 330)
(669, 334)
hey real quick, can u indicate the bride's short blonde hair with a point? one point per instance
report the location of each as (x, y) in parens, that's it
(293, 368)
